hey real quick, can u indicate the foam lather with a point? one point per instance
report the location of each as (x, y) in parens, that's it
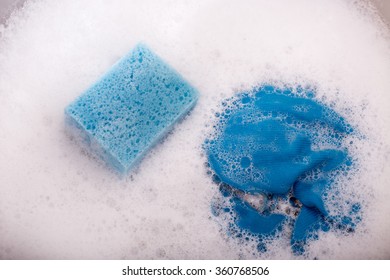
(133, 106)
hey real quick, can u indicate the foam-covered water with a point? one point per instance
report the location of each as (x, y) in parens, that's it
(57, 202)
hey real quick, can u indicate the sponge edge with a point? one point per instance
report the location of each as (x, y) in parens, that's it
(131, 108)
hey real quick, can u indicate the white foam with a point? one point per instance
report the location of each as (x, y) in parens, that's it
(56, 202)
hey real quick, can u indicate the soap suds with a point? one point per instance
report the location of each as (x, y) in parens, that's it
(56, 202)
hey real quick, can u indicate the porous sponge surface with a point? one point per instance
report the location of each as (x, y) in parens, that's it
(132, 107)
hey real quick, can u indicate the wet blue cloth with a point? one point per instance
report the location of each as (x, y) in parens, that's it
(135, 104)
(272, 141)
(248, 218)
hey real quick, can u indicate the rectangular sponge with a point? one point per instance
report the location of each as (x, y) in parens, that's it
(135, 104)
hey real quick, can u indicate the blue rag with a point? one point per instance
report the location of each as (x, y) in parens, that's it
(270, 142)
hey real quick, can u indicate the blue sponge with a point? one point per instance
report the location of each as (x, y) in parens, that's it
(131, 108)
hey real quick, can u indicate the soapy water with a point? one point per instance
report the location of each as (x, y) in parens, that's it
(280, 144)
(58, 202)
